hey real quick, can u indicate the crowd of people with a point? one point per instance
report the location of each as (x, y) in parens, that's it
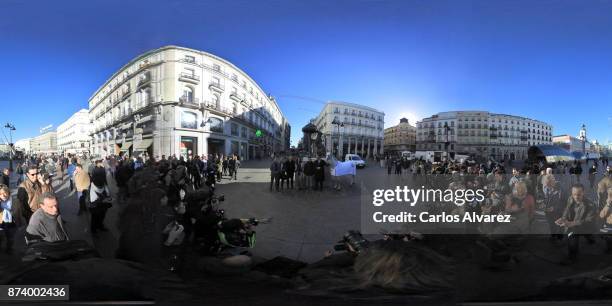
(35, 204)
(572, 208)
(307, 173)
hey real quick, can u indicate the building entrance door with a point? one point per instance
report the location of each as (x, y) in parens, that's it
(188, 146)
(216, 146)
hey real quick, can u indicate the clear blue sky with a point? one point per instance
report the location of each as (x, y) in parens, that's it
(547, 60)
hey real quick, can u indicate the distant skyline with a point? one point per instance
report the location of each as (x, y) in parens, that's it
(545, 60)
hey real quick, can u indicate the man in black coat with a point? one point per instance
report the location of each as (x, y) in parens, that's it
(275, 174)
(309, 171)
(319, 173)
(290, 170)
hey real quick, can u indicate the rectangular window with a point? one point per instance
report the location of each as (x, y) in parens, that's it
(234, 128)
(189, 59)
(189, 120)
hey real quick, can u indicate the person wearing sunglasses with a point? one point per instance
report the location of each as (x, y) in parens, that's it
(29, 194)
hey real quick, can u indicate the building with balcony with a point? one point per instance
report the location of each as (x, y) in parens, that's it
(399, 138)
(180, 101)
(44, 144)
(481, 134)
(351, 128)
(73, 135)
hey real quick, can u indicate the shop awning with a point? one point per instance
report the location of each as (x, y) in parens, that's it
(126, 146)
(143, 145)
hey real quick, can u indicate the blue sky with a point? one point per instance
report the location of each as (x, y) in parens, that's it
(547, 60)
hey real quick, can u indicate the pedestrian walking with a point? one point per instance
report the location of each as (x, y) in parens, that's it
(275, 173)
(231, 165)
(82, 183)
(20, 173)
(290, 170)
(309, 172)
(224, 165)
(6, 177)
(29, 195)
(319, 173)
(7, 226)
(99, 198)
(592, 175)
(70, 173)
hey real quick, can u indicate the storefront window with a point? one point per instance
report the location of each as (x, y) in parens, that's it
(189, 120)
(188, 146)
(216, 125)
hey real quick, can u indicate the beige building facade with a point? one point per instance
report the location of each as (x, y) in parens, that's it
(44, 144)
(184, 102)
(482, 134)
(350, 128)
(399, 138)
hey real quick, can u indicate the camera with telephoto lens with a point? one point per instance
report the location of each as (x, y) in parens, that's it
(352, 241)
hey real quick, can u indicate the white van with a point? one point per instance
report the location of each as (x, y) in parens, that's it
(356, 159)
(431, 156)
(408, 155)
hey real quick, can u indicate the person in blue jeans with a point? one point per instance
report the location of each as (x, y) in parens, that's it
(70, 173)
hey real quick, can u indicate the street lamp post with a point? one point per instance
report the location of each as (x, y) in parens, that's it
(338, 124)
(446, 144)
(11, 128)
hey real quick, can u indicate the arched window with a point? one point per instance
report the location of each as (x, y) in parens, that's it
(187, 94)
(145, 96)
(215, 102)
(216, 125)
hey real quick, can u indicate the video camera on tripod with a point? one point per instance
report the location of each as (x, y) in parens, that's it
(352, 241)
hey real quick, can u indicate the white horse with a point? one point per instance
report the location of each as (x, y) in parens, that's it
(339, 169)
